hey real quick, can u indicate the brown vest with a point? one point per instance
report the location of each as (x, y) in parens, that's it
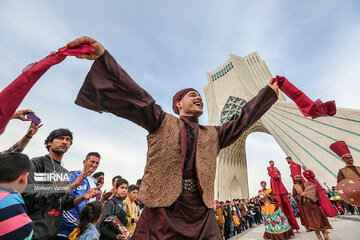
(310, 190)
(161, 184)
(350, 174)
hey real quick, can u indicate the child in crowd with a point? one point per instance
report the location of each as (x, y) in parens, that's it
(115, 207)
(90, 215)
(131, 208)
(14, 222)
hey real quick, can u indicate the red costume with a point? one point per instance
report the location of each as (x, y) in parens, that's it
(15, 92)
(324, 201)
(295, 169)
(280, 193)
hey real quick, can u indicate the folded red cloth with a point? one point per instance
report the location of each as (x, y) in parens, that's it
(306, 106)
(12, 95)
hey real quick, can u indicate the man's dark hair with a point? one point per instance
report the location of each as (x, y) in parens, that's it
(271, 161)
(99, 180)
(12, 166)
(58, 133)
(98, 174)
(120, 182)
(132, 187)
(116, 177)
(138, 182)
(262, 182)
(234, 200)
(95, 154)
(288, 158)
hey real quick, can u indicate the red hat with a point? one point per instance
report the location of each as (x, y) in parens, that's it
(178, 96)
(340, 148)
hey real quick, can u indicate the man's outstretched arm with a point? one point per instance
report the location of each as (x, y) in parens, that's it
(108, 88)
(252, 111)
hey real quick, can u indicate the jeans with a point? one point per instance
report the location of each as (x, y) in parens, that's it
(232, 229)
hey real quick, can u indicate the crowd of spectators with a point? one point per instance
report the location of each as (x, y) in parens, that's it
(40, 199)
(238, 215)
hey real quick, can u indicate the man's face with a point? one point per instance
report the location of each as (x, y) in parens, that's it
(348, 159)
(298, 179)
(263, 185)
(191, 104)
(91, 164)
(288, 160)
(122, 190)
(133, 194)
(272, 164)
(60, 144)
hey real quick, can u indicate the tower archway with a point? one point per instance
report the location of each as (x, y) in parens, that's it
(306, 140)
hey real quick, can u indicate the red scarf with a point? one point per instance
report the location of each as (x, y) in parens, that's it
(12, 95)
(306, 106)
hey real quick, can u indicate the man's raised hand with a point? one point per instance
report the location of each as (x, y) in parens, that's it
(99, 49)
(273, 84)
(21, 114)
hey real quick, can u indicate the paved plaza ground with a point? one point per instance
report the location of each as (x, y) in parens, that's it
(343, 229)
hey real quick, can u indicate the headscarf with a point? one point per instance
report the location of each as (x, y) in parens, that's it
(178, 96)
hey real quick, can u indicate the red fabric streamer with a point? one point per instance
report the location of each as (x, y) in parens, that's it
(306, 106)
(12, 95)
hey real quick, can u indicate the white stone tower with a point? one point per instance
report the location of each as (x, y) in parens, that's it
(306, 140)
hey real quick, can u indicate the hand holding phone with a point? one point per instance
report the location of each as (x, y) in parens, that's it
(34, 118)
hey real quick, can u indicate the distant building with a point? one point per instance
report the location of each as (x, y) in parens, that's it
(306, 140)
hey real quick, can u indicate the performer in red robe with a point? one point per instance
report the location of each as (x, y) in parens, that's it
(295, 169)
(280, 193)
(109, 88)
(324, 201)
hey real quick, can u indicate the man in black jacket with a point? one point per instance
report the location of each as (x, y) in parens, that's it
(44, 197)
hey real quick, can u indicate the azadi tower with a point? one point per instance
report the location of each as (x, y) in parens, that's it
(306, 140)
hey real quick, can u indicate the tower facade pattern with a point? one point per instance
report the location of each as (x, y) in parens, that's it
(306, 140)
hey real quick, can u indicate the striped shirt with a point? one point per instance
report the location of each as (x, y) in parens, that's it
(14, 222)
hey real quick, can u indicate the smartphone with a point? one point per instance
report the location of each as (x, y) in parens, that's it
(34, 118)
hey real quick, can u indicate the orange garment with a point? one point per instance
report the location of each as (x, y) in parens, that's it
(236, 220)
(267, 210)
(268, 191)
(219, 213)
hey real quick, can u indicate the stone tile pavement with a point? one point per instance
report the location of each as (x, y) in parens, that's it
(343, 229)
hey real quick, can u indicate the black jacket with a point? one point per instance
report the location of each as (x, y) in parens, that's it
(45, 207)
(113, 207)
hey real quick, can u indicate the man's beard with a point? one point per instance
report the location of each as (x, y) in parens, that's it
(59, 152)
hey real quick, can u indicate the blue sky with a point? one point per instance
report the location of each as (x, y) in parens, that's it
(166, 46)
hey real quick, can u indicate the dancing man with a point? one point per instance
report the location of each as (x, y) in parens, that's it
(325, 204)
(178, 183)
(315, 219)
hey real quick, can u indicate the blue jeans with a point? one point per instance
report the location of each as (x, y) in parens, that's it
(232, 229)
